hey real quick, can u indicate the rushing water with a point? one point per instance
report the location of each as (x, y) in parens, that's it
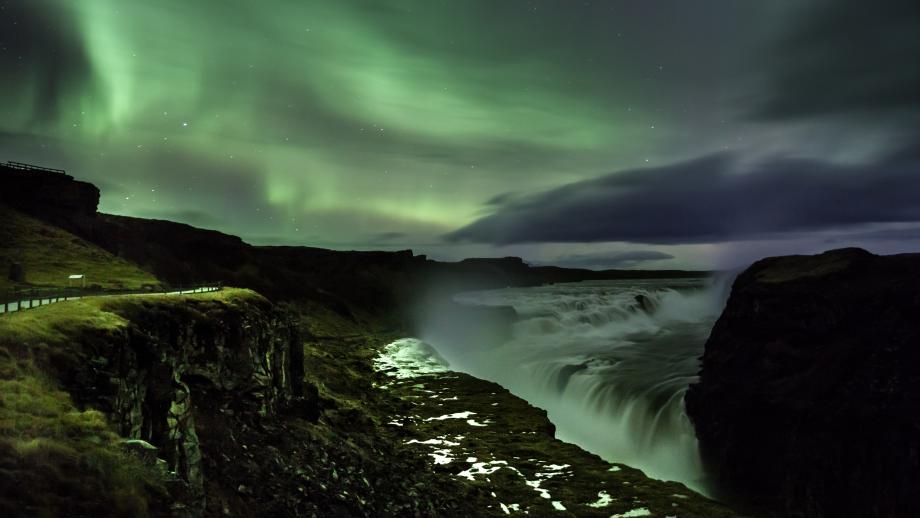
(610, 362)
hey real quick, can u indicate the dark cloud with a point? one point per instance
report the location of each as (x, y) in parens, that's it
(711, 199)
(601, 260)
(887, 234)
(846, 57)
(500, 199)
(43, 60)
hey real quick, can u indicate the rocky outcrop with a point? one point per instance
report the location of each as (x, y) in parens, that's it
(808, 402)
(51, 196)
(154, 376)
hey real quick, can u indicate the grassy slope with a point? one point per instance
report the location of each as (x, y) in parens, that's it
(69, 459)
(49, 254)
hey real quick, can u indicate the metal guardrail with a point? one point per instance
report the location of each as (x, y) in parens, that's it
(22, 166)
(21, 300)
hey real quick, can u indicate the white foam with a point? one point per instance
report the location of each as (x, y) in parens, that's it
(409, 358)
(601, 356)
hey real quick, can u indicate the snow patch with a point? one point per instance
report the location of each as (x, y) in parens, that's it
(434, 442)
(603, 500)
(457, 415)
(441, 456)
(535, 484)
(642, 511)
(482, 468)
(510, 507)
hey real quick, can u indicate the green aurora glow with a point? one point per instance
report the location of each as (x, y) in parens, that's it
(371, 124)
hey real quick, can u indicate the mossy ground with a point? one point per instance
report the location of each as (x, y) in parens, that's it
(789, 268)
(58, 460)
(49, 255)
(60, 323)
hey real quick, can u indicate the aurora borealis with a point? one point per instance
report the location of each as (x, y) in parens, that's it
(482, 127)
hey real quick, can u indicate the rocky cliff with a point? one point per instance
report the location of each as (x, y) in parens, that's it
(159, 366)
(808, 402)
(57, 197)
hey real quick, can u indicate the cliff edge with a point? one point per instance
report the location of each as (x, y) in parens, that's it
(87, 381)
(808, 402)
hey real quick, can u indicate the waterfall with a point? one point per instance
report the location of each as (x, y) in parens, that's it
(610, 362)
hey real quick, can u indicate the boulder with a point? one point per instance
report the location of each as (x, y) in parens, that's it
(17, 273)
(808, 401)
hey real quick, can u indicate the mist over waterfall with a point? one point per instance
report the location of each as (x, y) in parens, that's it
(610, 361)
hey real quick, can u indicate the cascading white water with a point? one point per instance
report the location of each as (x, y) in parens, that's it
(610, 361)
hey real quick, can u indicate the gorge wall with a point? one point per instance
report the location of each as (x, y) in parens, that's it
(170, 371)
(808, 402)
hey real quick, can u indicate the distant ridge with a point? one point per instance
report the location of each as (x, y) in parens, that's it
(176, 253)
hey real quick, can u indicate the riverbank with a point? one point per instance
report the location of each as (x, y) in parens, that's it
(505, 449)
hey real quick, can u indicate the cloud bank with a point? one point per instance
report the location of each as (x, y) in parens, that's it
(604, 260)
(711, 199)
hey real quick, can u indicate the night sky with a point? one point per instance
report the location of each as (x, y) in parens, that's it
(651, 134)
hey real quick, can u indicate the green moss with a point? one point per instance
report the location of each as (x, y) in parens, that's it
(57, 322)
(60, 322)
(48, 255)
(793, 267)
(229, 296)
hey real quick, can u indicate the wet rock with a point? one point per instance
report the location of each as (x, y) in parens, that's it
(644, 303)
(16, 273)
(141, 449)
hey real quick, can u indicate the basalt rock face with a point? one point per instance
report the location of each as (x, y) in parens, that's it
(53, 197)
(808, 402)
(172, 363)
